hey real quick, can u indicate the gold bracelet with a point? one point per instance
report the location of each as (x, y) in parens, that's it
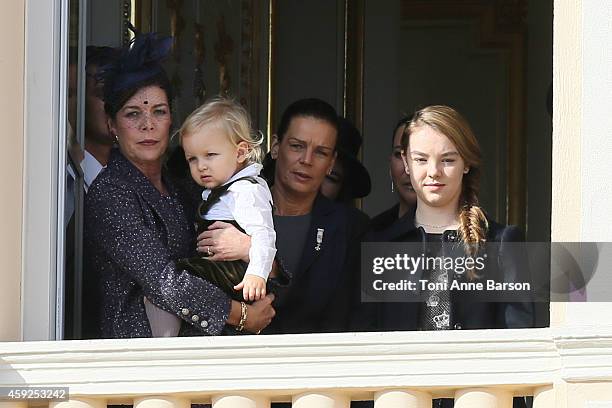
(243, 317)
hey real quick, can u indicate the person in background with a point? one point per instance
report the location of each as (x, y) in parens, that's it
(73, 148)
(400, 183)
(349, 179)
(98, 139)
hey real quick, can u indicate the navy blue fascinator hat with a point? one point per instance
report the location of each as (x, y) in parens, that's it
(138, 65)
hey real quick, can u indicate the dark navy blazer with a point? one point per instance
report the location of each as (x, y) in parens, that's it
(466, 314)
(318, 298)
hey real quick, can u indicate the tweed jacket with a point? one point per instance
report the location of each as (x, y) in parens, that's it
(132, 237)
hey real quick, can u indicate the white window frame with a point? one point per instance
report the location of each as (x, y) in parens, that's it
(47, 25)
(46, 60)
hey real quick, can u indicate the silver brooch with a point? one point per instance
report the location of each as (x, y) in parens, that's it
(319, 238)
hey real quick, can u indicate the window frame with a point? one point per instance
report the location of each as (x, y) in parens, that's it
(45, 159)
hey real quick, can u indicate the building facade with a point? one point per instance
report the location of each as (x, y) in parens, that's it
(566, 365)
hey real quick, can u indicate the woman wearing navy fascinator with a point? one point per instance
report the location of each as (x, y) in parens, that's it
(138, 223)
(138, 66)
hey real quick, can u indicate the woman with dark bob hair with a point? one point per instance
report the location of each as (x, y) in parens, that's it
(138, 223)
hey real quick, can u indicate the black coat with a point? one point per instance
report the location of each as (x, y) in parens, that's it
(384, 220)
(319, 296)
(467, 314)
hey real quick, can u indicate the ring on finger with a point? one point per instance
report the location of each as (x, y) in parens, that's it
(208, 251)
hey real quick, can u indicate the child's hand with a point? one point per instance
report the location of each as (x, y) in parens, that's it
(253, 287)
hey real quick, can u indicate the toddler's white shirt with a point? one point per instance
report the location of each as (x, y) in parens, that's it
(250, 205)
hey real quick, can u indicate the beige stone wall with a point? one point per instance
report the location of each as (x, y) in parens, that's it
(567, 119)
(588, 395)
(12, 40)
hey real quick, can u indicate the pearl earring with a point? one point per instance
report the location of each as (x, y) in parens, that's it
(392, 187)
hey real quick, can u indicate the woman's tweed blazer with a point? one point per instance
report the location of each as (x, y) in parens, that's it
(133, 236)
